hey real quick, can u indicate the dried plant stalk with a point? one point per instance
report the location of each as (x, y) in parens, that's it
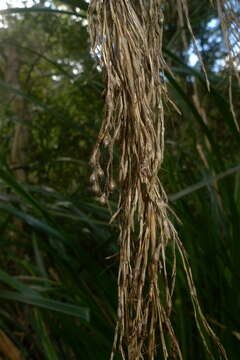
(126, 36)
(229, 15)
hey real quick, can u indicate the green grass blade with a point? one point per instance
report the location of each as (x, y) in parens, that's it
(32, 221)
(43, 336)
(15, 284)
(39, 258)
(201, 184)
(46, 10)
(52, 305)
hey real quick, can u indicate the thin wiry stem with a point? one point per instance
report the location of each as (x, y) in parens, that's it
(229, 15)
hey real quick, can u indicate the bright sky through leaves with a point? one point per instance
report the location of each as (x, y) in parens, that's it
(4, 4)
(14, 3)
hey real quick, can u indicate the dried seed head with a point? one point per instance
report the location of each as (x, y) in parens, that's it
(93, 178)
(119, 313)
(94, 159)
(96, 188)
(100, 172)
(93, 162)
(149, 148)
(102, 199)
(112, 185)
(106, 140)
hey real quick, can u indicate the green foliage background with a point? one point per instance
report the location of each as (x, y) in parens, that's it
(58, 254)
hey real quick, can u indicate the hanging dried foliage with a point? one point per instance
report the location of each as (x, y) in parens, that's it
(228, 12)
(126, 37)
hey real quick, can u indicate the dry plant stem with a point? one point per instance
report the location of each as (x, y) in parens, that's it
(183, 13)
(228, 12)
(126, 37)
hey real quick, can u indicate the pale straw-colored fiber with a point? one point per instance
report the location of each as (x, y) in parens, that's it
(126, 38)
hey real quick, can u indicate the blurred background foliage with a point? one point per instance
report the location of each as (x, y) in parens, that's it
(58, 253)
